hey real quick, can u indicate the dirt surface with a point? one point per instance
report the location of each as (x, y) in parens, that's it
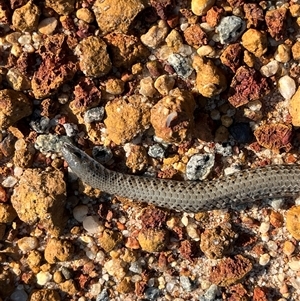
(148, 87)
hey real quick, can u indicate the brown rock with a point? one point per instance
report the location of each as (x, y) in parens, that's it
(195, 36)
(293, 221)
(200, 7)
(232, 56)
(86, 96)
(274, 136)
(7, 213)
(172, 117)
(247, 85)
(276, 22)
(13, 107)
(17, 80)
(210, 80)
(214, 16)
(153, 217)
(276, 219)
(24, 154)
(58, 250)
(296, 51)
(114, 86)
(69, 287)
(34, 260)
(85, 15)
(125, 50)
(26, 18)
(62, 7)
(294, 108)
(126, 119)
(254, 14)
(136, 159)
(44, 294)
(153, 240)
(94, 59)
(40, 197)
(125, 286)
(229, 271)
(217, 242)
(259, 294)
(109, 239)
(255, 42)
(57, 67)
(111, 17)
(155, 35)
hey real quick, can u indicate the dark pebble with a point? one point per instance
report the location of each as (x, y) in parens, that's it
(241, 132)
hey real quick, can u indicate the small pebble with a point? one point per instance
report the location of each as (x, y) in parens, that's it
(152, 293)
(43, 278)
(294, 265)
(264, 227)
(92, 224)
(230, 28)
(264, 259)
(94, 115)
(288, 248)
(199, 166)
(186, 283)
(156, 151)
(9, 182)
(102, 154)
(26, 244)
(241, 132)
(71, 129)
(270, 69)
(80, 212)
(103, 296)
(181, 65)
(41, 126)
(211, 294)
(19, 295)
(286, 87)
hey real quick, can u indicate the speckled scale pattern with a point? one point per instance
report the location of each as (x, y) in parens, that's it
(189, 196)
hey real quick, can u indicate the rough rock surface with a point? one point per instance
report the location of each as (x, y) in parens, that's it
(44, 294)
(26, 17)
(210, 80)
(126, 119)
(13, 107)
(94, 59)
(56, 68)
(274, 136)
(40, 197)
(58, 250)
(172, 117)
(62, 7)
(125, 49)
(111, 17)
(229, 271)
(247, 85)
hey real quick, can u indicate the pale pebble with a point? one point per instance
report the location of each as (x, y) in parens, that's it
(43, 278)
(286, 87)
(92, 224)
(264, 259)
(80, 212)
(269, 69)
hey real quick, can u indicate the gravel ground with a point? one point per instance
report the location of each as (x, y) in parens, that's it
(185, 90)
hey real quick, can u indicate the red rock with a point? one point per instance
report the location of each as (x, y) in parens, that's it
(254, 14)
(213, 16)
(230, 270)
(276, 22)
(247, 85)
(259, 294)
(274, 136)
